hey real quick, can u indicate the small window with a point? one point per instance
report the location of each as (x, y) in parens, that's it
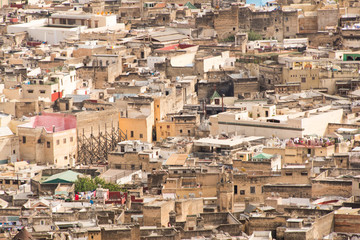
(24, 139)
(64, 140)
(303, 80)
(188, 131)
(252, 190)
(304, 173)
(57, 142)
(30, 91)
(42, 91)
(180, 130)
(132, 134)
(287, 29)
(288, 174)
(242, 192)
(65, 158)
(48, 144)
(132, 166)
(235, 189)
(141, 135)
(71, 139)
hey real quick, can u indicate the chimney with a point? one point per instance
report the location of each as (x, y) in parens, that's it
(53, 127)
(247, 202)
(172, 218)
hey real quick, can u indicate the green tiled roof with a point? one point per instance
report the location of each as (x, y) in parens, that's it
(63, 177)
(263, 156)
(215, 95)
(190, 6)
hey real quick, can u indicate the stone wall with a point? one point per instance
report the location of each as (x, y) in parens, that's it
(266, 224)
(347, 223)
(286, 191)
(94, 122)
(226, 22)
(321, 188)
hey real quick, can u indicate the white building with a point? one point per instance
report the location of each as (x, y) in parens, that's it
(51, 87)
(298, 124)
(60, 27)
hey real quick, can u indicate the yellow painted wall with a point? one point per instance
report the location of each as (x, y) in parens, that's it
(137, 126)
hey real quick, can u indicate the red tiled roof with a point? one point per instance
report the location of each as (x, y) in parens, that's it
(160, 5)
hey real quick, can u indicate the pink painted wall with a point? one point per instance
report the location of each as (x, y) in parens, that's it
(61, 122)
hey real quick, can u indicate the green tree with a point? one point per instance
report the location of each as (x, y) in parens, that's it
(230, 38)
(85, 184)
(252, 36)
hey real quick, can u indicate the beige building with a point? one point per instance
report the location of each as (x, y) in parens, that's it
(177, 125)
(49, 139)
(103, 69)
(303, 71)
(156, 213)
(300, 152)
(251, 184)
(89, 20)
(263, 110)
(134, 155)
(193, 182)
